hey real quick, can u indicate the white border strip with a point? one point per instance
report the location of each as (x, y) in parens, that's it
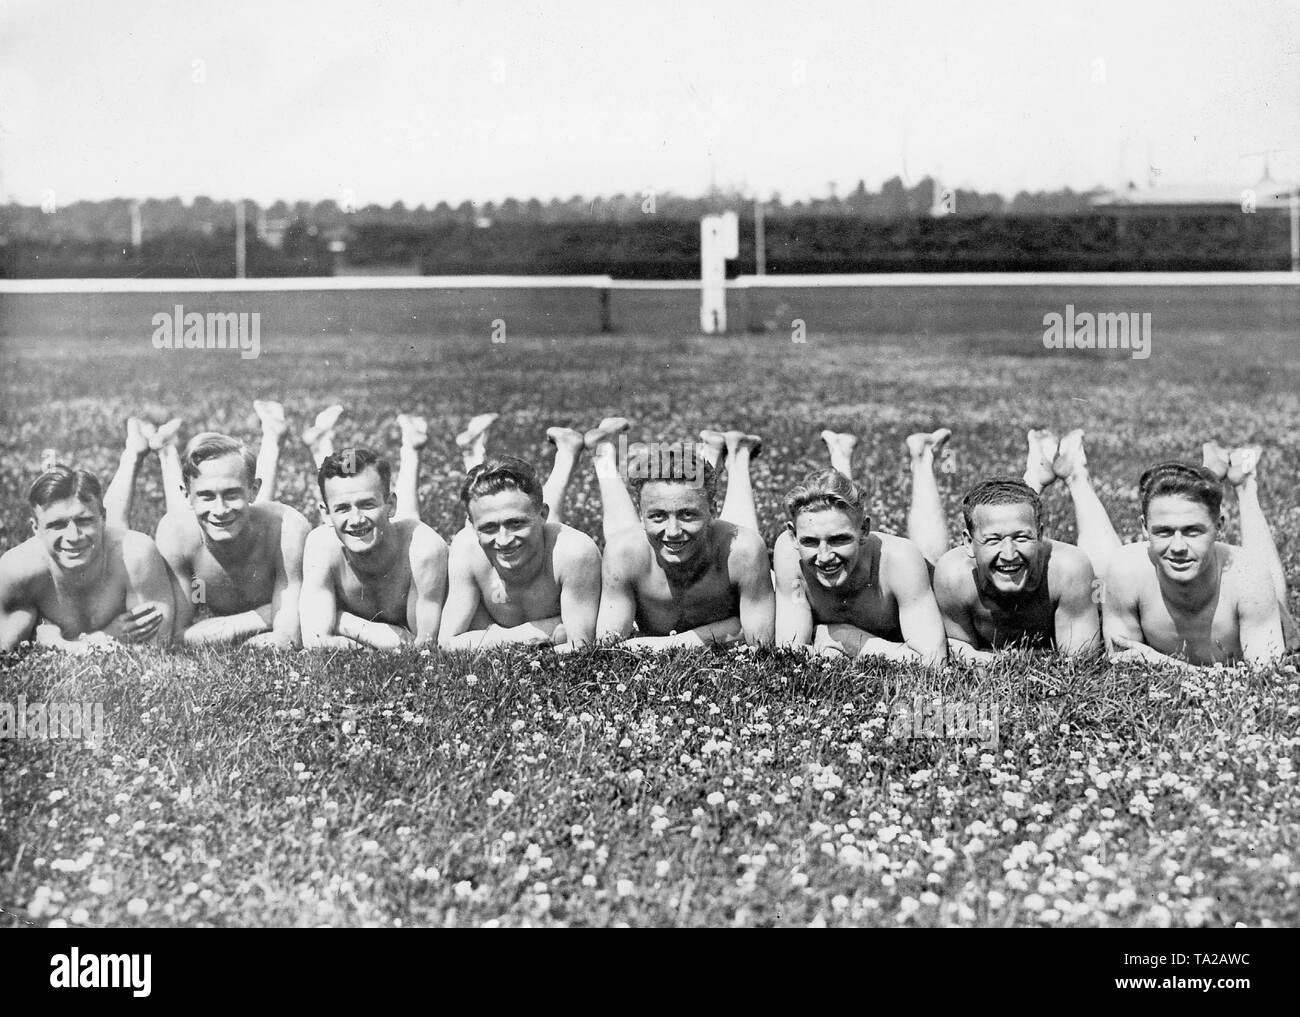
(921, 280)
(1013, 279)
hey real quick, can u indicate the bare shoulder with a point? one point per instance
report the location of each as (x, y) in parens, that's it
(287, 519)
(744, 546)
(425, 543)
(899, 557)
(1246, 574)
(954, 576)
(628, 552)
(1068, 564)
(179, 531)
(573, 548)
(24, 563)
(137, 550)
(322, 547)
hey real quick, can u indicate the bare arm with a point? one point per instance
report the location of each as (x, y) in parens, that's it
(285, 620)
(918, 612)
(953, 588)
(1259, 616)
(794, 617)
(1078, 625)
(318, 607)
(171, 542)
(428, 582)
(149, 594)
(617, 615)
(18, 616)
(463, 595)
(1120, 624)
(580, 593)
(749, 561)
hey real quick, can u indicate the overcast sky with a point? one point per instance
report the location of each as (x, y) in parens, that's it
(438, 100)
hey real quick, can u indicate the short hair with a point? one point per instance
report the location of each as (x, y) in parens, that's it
(827, 489)
(499, 473)
(1195, 483)
(673, 463)
(213, 445)
(1000, 491)
(59, 482)
(348, 462)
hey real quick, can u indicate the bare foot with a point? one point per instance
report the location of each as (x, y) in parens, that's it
(566, 438)
(1241, 464)
(841, 444)
(165, 434)
(271, 414)
(323, 427)
(1070, 459)
(415, 430)
(739, 440)
(1043, 445)
(605, 431)
(715, 446)
(138, 434)
(921, 444)
(1214, 457)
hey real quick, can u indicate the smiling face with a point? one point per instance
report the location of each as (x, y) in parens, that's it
(72, 531)
(221, 496)
(1181, 533)
(676, 518)
(830, 544)
(1006, 546)
(511, 530)
(359, 509)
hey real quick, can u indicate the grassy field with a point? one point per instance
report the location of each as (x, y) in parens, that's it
(708, 789)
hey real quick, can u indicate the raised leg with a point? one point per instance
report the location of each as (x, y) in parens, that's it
(319, 438)
(1097, 537)
(926, 526)
(121, 489)
(840, 445)
(415, 435)
(1255, 533)
(618, 510)
(738, 504)
(473, 440)
(274, 428)
(568, 447)
(164, 442)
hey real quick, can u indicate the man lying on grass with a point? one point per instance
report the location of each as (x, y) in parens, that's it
(1184, 597)
(369, 579)
(239, 557)
(843, 588)
(673, 572)
(514, 576)
(78, 582)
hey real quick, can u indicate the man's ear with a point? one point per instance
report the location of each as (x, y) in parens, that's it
(864, 531)
(324, 511)
(35, 529)
(968, 542)
(391, 502)
(1145, 532)
(546, 511)
(254, 488)
(789, 527)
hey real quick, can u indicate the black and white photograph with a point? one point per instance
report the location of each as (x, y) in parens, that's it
(684, 465)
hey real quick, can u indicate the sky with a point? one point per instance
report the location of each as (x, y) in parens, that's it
(447, 101)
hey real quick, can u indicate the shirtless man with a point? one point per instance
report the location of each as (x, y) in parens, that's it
(369, 579)
(843, 588)
(516, 575)
(1008, 587)
(235, 554)
(674, 572)
(1184, 597)
(78, 582)
(239, 556)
